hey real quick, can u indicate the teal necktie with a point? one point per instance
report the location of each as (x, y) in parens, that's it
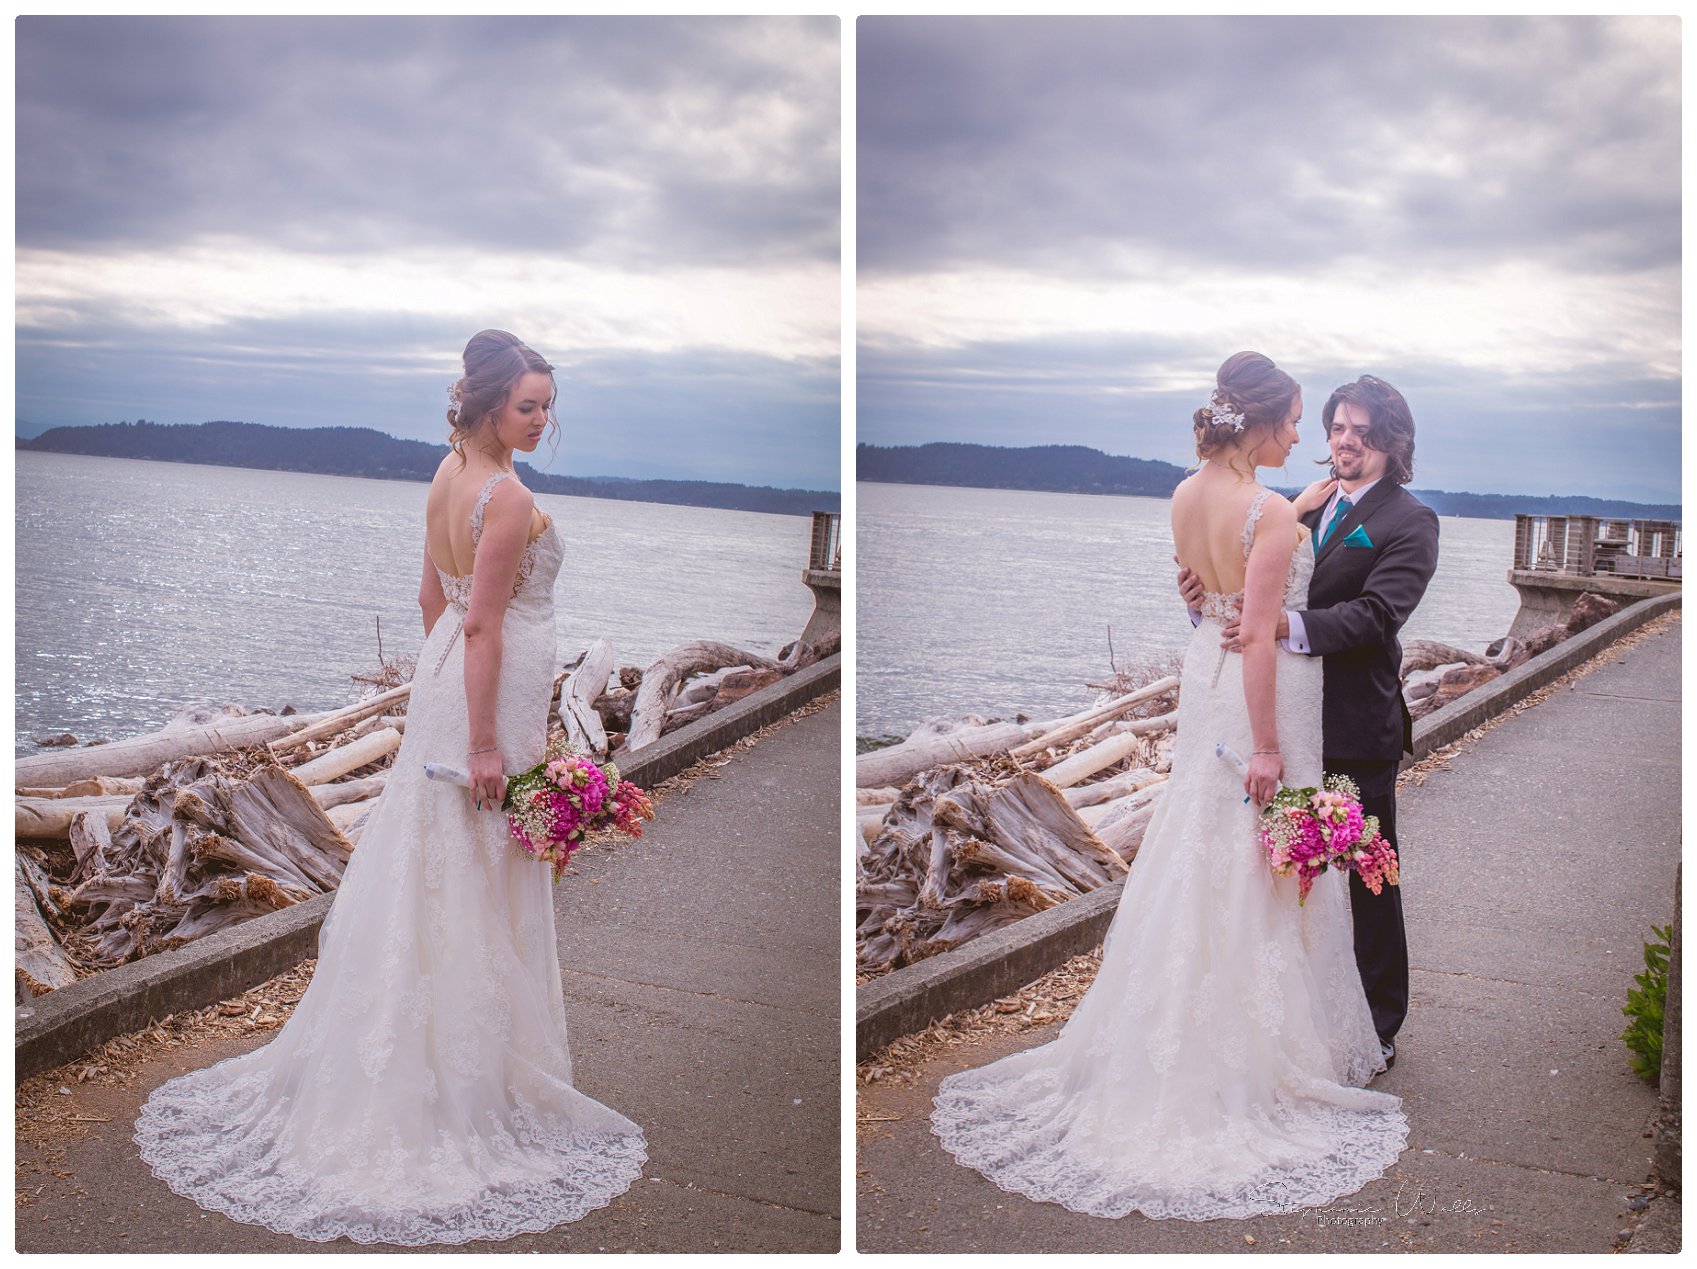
(1343, 508)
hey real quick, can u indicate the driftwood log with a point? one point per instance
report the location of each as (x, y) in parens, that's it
(801, 654)
(207, 845)
(1126, 741)
(41, 963)
(1429, 654)
(1070, 729)
(1123, 827)
(660, 680)
(352, 756)
(897, 764)
(143, 755)
(1113, 788)
(957, 857)
(585, 685)
(99, 786)
(327, 725)
(50, 819)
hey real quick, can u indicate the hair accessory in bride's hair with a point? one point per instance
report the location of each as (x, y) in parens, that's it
(454, 400)
(1220, 407)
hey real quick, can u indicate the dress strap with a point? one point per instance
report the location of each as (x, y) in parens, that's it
(482, 501)
(1254, 519)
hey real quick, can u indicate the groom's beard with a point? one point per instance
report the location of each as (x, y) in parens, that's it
(1351, 467)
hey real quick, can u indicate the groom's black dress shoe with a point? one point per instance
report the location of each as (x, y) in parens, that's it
(1388, 1049)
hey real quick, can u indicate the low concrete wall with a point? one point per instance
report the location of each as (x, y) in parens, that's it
(62, 1025)
(1465, 713)
(911, 998)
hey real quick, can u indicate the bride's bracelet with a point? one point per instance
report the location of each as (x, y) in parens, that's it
(1259, 752)
(475, 752)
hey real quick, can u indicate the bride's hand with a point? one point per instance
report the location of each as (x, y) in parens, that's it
(1315, 496)
(488, 781)
(1262, 780)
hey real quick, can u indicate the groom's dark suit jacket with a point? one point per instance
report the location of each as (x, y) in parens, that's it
(1357, 601)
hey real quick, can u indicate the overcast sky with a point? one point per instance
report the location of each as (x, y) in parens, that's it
(1066, 224)
(300, 221)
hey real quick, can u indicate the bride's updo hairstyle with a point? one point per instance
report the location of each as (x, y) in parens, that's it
(494, 361)
(1252, 394)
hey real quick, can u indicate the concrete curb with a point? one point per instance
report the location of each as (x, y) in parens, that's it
(989, 967)
(913, 997)
(62, 1025)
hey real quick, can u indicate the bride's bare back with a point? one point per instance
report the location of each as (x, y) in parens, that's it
(1209, 510)
(447, 515)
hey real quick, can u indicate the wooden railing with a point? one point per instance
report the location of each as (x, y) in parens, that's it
(1586, 546)
(826, 552)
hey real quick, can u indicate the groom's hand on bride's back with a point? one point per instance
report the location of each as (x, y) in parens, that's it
(1190, 587)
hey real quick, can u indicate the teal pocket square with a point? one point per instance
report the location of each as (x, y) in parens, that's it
(1358, 537)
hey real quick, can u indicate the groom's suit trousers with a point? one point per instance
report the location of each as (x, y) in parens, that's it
(1381, 944)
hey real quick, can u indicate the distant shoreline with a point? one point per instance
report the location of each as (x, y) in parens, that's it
(373, 455)
(1078, 469)
(337, 475)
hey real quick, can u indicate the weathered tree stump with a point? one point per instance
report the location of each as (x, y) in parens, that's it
(207, 844)
(956, 857)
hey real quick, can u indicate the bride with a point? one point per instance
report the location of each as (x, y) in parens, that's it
(422, 1090)
(1214, 1067)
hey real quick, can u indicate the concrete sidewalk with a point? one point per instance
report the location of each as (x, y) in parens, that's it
(1534, 868)
(701, 977)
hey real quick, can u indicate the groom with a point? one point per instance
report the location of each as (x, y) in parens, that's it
(1376, 546)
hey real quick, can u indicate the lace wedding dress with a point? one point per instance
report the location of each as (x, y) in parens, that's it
(422, 1091)
(1212, 1069)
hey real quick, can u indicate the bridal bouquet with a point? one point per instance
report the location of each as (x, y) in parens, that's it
(1305, 831)
(553, 806)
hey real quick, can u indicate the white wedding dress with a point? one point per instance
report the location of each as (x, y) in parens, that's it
(1213, 1068)
(422, 1091)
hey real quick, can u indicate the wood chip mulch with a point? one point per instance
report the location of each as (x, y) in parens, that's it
(1050, 999)
(44, 1108)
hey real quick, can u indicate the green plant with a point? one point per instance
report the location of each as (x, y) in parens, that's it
(1644, 1006)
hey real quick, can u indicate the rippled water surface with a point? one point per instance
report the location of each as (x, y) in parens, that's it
(143, 586)
(995, 601)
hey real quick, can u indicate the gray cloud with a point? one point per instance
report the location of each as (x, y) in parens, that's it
(1532, 163)
(640, 141)
(1047, 142)
(637, 147)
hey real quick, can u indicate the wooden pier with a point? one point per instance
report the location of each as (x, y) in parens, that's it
(824, 575)
(1559, 558)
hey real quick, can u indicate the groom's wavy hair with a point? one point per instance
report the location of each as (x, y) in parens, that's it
(494, 361)
(1252, 386)
(1390, 423)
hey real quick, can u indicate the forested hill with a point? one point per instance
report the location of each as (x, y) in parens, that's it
(362, 451)
(1080, 469)
(1057, 468)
